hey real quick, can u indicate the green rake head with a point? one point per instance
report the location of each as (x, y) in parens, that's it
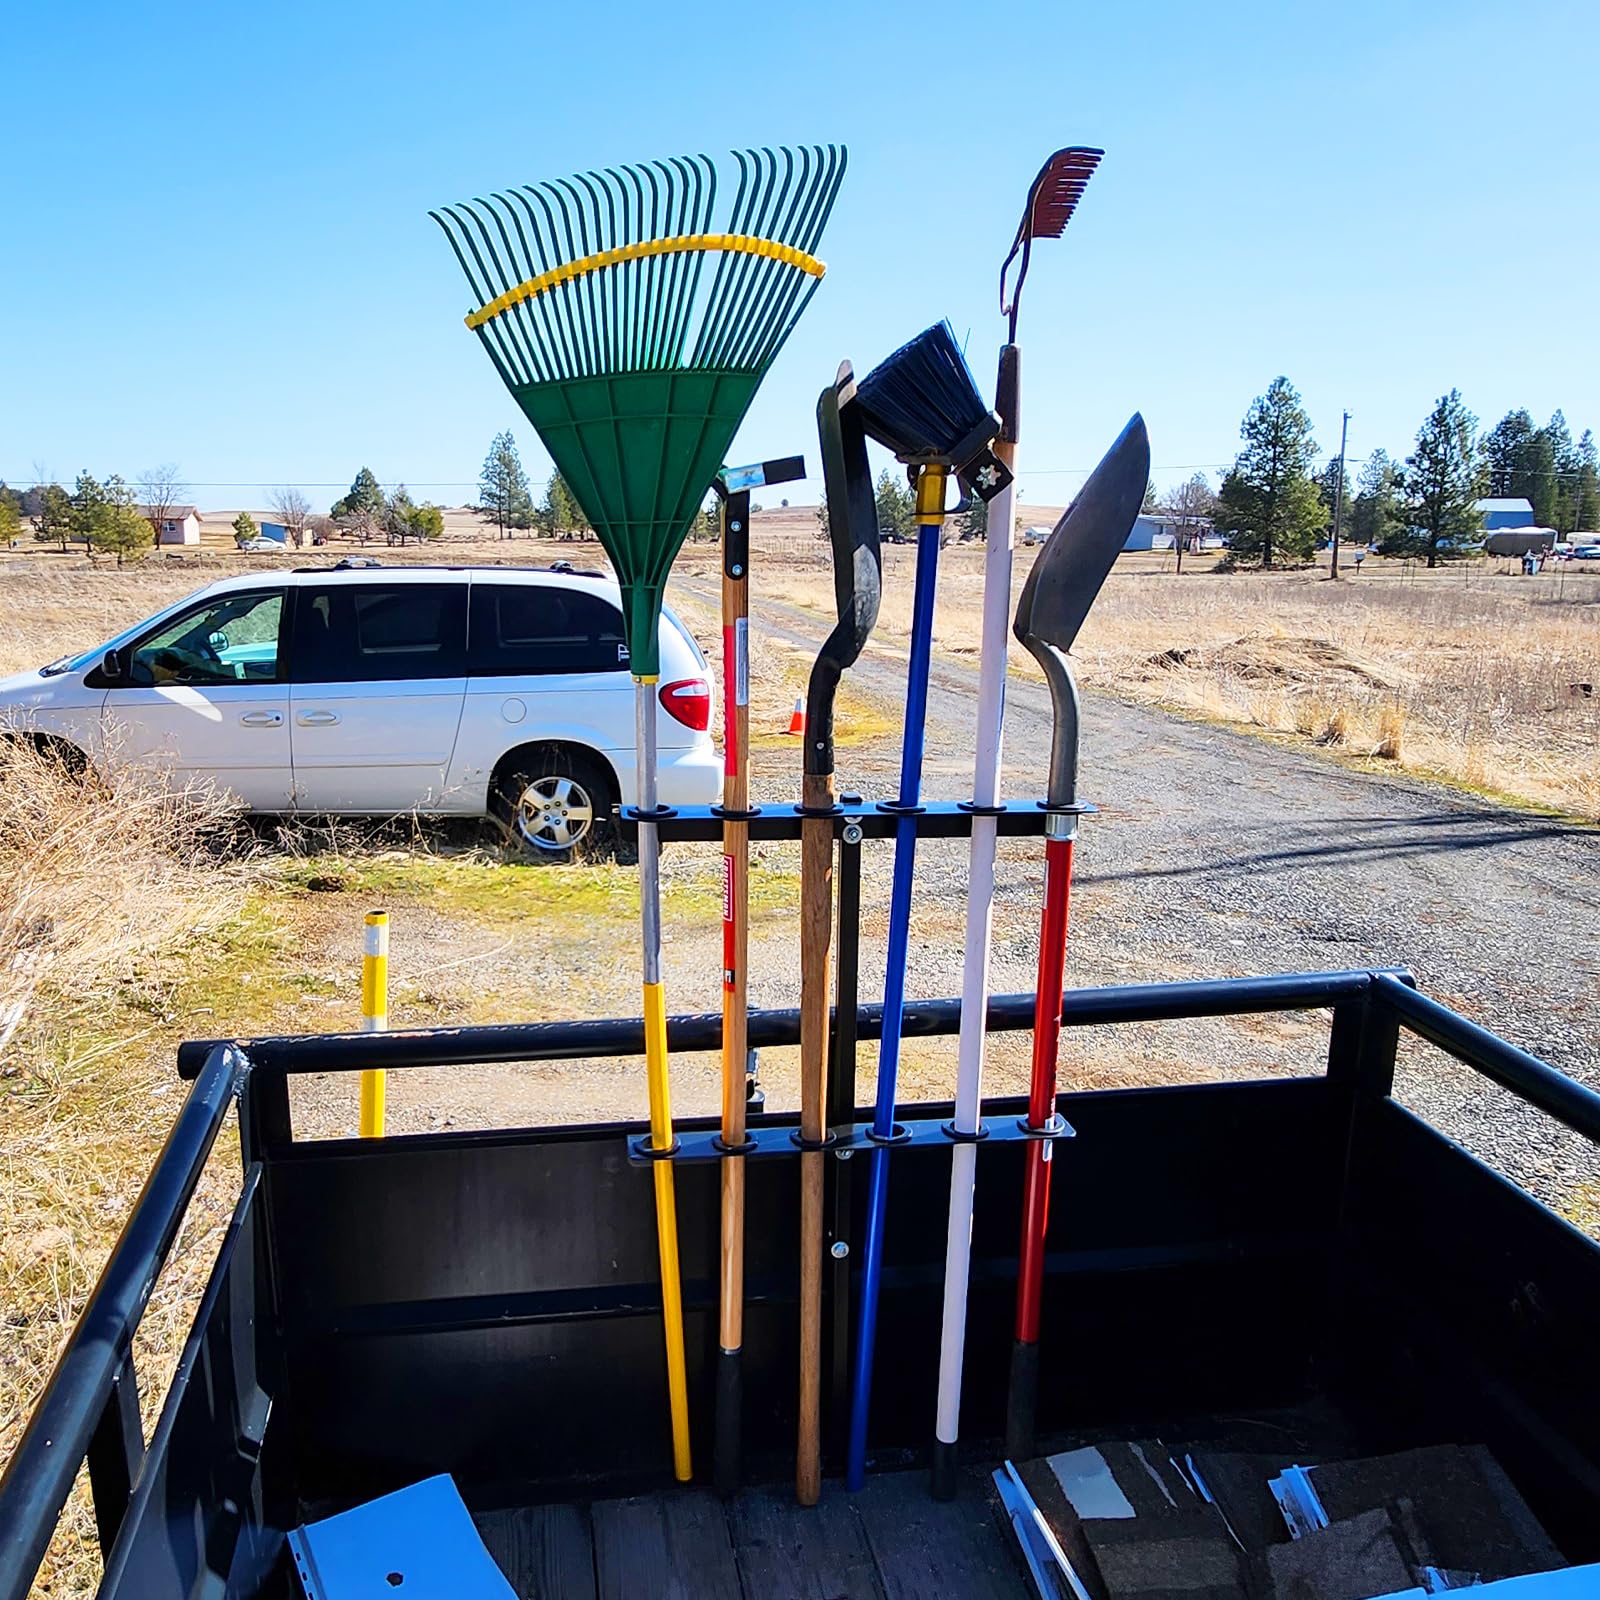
(634, 357)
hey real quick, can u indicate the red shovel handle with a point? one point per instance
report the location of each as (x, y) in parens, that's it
(1042, 1092)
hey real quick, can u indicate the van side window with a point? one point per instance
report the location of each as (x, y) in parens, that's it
(379, 633)
(233, 639)
(531, 630)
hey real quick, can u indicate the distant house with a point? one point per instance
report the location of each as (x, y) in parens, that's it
(174, 525)
(1152, 530)
(275, 531)
(1505, 513)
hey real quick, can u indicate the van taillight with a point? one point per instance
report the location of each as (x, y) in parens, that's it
(688, 701)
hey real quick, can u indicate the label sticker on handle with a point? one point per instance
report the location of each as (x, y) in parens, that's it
(741, 661)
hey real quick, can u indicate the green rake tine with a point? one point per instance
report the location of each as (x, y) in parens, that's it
(556, 327)
(647, 299)
(606, 283)
(778, 310)
(455, 245)
(613, 279)
(749, 324)
(593, 322)
(515, 322)
(583, 362)
(750, 218)
(632, 227)
(532, 316)
(766, 308)
(644, 279)
(695, 201)
(794, 290)
(561, 294)
(509, 332)
(717, 300)
(682, 201)
(489, 332)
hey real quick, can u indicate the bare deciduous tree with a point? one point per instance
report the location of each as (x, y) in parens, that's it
(161, 492)
(293, 511)
(1191, 506)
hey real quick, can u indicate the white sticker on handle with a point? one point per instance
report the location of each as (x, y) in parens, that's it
(741, 661)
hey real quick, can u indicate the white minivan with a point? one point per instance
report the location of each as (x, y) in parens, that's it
(373, 691)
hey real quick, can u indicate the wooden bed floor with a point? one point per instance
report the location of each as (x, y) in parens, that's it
(890, 1542)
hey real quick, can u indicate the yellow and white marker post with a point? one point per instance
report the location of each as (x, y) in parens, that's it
(374, 1016)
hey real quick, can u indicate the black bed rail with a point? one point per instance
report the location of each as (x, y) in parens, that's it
(624, 1036)
(90, 1407)
(1525, 1075)
(89, 1410)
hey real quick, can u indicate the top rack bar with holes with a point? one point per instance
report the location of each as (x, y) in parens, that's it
(876, 819)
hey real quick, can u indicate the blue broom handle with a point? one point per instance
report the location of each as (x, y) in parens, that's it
(894, 992)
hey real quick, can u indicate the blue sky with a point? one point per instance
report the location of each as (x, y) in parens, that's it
(219, 253)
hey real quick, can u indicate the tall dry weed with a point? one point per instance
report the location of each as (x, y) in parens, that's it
(92, 875)
(95, 882)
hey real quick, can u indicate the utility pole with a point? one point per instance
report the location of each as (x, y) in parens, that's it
(1338, 496)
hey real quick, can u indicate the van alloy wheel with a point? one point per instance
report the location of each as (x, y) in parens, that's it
(554, 813)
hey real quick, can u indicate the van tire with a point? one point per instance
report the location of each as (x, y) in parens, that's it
(553, 803)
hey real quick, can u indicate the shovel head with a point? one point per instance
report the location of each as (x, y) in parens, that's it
(857, 562)
(1084, 546)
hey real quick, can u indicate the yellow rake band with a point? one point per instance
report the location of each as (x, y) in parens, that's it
(738, 243)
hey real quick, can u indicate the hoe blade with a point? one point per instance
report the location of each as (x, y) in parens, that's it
(1084, 546)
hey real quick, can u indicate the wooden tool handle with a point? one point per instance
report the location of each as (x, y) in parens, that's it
(816, 932)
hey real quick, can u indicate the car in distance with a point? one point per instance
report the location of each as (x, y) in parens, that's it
(377, 691)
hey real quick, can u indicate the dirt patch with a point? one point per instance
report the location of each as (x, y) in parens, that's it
(1303, 662)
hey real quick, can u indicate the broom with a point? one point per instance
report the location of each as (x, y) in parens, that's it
(922, 404)
(1052, 198)
(636, 365)
(1055, 599)
(857, 584)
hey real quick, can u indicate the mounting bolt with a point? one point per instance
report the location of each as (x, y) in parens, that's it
(838, 1250)
(852, 835)
(844, 1155)
(736, 571)
(735, 526)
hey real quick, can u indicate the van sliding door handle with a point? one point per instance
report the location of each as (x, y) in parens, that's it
(262, 719)
(316, 719)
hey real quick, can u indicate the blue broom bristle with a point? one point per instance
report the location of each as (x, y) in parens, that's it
(922, 400)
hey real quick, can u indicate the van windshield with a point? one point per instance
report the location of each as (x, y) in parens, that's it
(95, 653)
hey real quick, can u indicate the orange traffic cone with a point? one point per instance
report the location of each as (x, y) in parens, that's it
(797, 717)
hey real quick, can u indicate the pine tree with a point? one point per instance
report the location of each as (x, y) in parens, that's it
(53, 520)
(365, 502)
(1506, 458)
(10, 517)
(1269, 503)
(1443, 477)
(560, 516)
(106, 517)
(1588, 497)
(896, 510)
(504, 496)
(1376, 513)
(244, 528)
(975, 519)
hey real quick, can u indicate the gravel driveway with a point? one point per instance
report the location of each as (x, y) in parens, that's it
(1222, 854)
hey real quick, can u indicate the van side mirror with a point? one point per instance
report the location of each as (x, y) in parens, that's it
(114, 666)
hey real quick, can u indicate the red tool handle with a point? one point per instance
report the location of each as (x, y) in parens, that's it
(1042, 1091)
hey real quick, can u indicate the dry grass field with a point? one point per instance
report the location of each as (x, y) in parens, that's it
(122, 921)
(1468, 674)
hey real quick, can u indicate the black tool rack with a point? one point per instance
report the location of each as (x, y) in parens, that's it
(855, 822)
